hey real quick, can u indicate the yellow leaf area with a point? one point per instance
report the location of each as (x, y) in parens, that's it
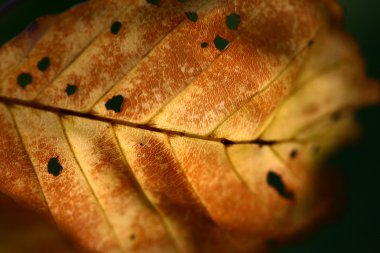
(179, 126)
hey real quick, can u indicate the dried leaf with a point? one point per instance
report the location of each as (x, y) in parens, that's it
(180, 126)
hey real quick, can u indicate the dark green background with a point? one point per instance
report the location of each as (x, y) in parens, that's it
(359, 228)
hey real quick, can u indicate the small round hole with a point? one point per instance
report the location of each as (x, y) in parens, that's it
(43, 64)
(192, 16)
(115, 27)
(204, 44)
(71, 89)
(24, 79)
(293, 154)
(233, 21)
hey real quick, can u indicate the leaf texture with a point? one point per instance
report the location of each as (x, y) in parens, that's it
(180, 126)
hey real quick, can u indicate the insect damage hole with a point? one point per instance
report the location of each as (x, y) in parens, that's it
(70, 89)
(192, 16)
(24, 79)
(274, 180)
(293, 153)
(233, 21)
(43, 64)
(115, 27)
(54, 167)
(221, 43)
(115, 103)
(204, 44)
(154, 2)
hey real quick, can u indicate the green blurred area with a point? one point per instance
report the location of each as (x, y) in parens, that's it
(359, 229)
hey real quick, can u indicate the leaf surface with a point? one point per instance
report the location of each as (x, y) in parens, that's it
(179, 126)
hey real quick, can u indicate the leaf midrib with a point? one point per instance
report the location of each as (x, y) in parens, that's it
(66, 112)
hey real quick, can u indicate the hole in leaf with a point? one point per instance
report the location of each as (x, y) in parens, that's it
(220, 43)
(54, 167)
(192, 16)
(293, 154)
(154, 2)
(115, 28)
(204, 44)
(233, 21)
(275, 181)
(115, 103)
(43, 64)
(24, 79)
(70, 89)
